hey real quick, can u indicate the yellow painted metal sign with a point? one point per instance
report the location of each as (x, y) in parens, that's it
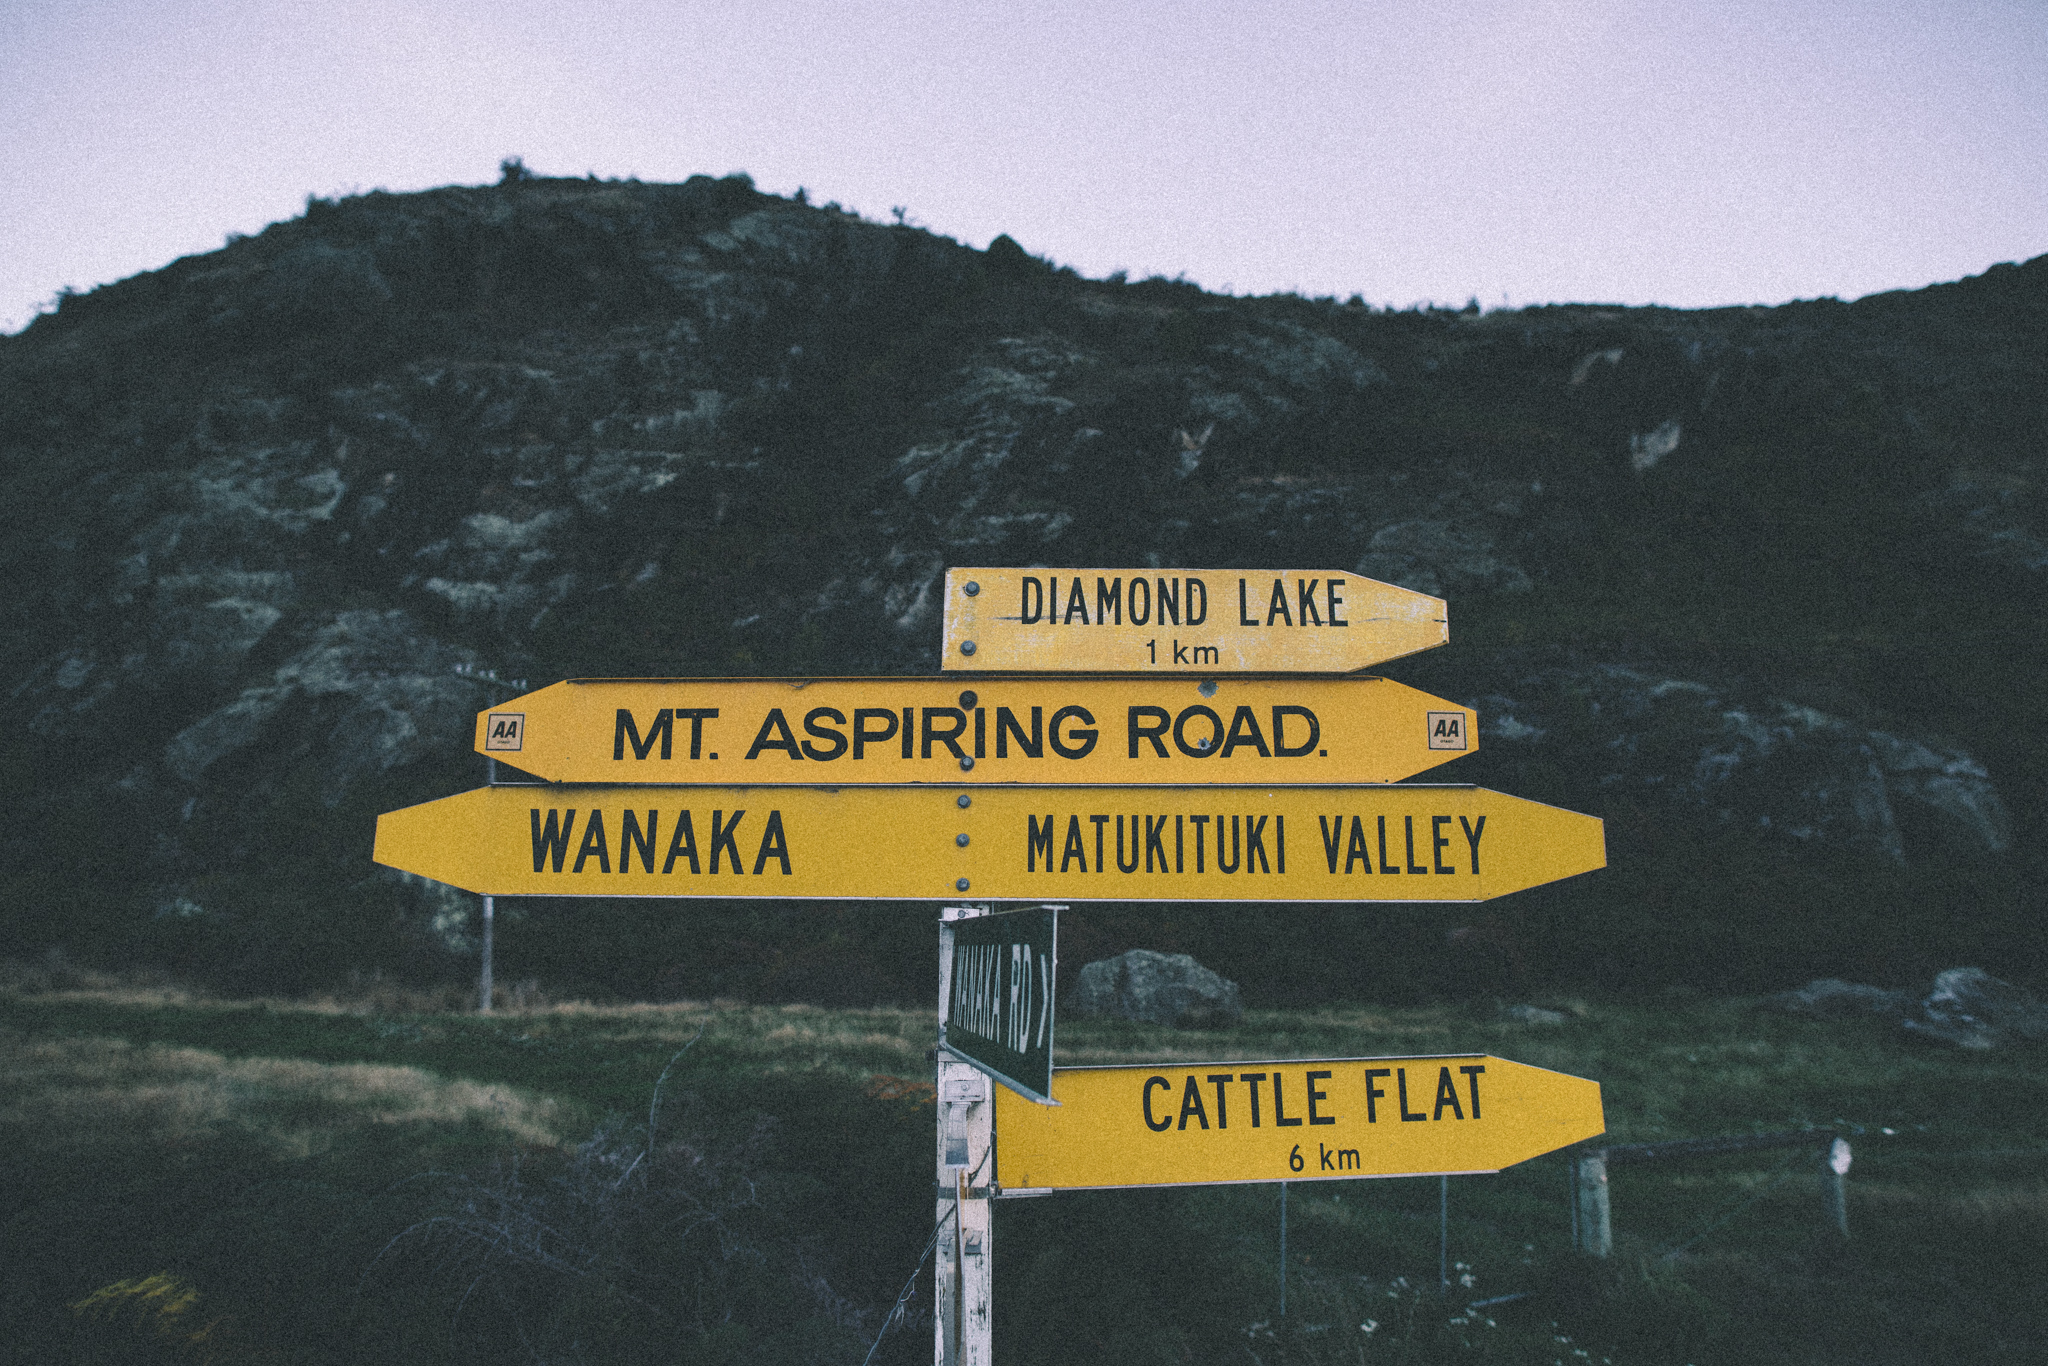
(1364, 843)
(998, 730)
(1327, 1119)
(1202, 621)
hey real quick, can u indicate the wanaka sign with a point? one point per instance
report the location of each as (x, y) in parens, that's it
(998, 997)
(1182, 621)
(1081, 731)
(1407, 842)
(1315, 1120)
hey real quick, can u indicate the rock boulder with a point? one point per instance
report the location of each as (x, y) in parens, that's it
(1156, 988)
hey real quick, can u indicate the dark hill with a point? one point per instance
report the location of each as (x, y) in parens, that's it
(1758, 585)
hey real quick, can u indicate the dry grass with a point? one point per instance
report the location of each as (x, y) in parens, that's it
(104, 1090)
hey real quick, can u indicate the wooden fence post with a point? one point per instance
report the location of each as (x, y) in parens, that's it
(1834, 1184)
(1595, 1221)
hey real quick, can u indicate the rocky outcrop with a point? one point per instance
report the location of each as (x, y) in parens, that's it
(1971, 1009)
(284, 515)
(1155, 988)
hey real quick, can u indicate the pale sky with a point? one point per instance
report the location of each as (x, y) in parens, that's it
(1689, 155)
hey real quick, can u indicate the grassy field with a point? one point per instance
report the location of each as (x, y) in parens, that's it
(383, 1177)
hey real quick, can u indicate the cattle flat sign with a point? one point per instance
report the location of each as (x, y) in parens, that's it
(998, 997)
(1000, 730)
(1406, 842)
(1327, 1119)
(1205, 621)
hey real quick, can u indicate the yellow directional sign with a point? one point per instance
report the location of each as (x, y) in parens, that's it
(1325, 1119)
(1364, 843)
(1202, 621)
(1000, 730)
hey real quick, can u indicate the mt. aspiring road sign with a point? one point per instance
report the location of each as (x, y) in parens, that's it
(1368, 843)
(1180, 1124)
(1081, 730)
(998, 996)
(1203, 621)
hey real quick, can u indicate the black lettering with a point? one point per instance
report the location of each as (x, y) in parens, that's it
(1180, 845)
(1067, 747)
(1032, 601)
(1132, 866)
(1244, 730)
(1099, 822)
(1408, 824)
(1472, 1074)
(1244, 606)
(1169, 602)
(774, 845)
(1279, 1110)
(594, 842)
(1255, 844)
(1305, 600)
(1280, 845)
(1331, 839)
(1236, 861)
(1191, 1104)
(1153, 733)
(1219, 1080)
(632, 835)
(1251, 1081)
(1354, 848)
(1277, 607)
(1109, 598)
(1347, 1160)
(981, 732)
(949, 738)
(1157, 1126)
(555, 840)
(1155, 835)
(721, 838)
(834, 739)
(1032, 745)
(1439, 842)
(862, 736)
(1446, 1094)
(1201, 828)
(1335, 600)
(1385, 866)
(908, 733)
(1198, 602)
(1324, 1154)
(1472, 834)
(1077, 601)
(1208, 746)
(775, 723)
(683, 844)
(1037, 839)
(1373, 1094)
(1180, 653)
(1073, 848)
(1401, 1085)
(662, 729)
(696, 716)
(1141, 606)
(1315, 1094)
(1280, 746)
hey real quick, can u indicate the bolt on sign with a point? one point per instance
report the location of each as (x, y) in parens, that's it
(1406, 842)
(1324, 1119)
(1182, 621)
(1000, 730)
(998, 997)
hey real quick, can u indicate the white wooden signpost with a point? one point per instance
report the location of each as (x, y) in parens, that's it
(1062, 760)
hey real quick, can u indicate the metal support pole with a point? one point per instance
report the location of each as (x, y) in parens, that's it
(1443, 1234)
(1596, 1225)
(483, 984)
(966, 1134)
(1283, 1249)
